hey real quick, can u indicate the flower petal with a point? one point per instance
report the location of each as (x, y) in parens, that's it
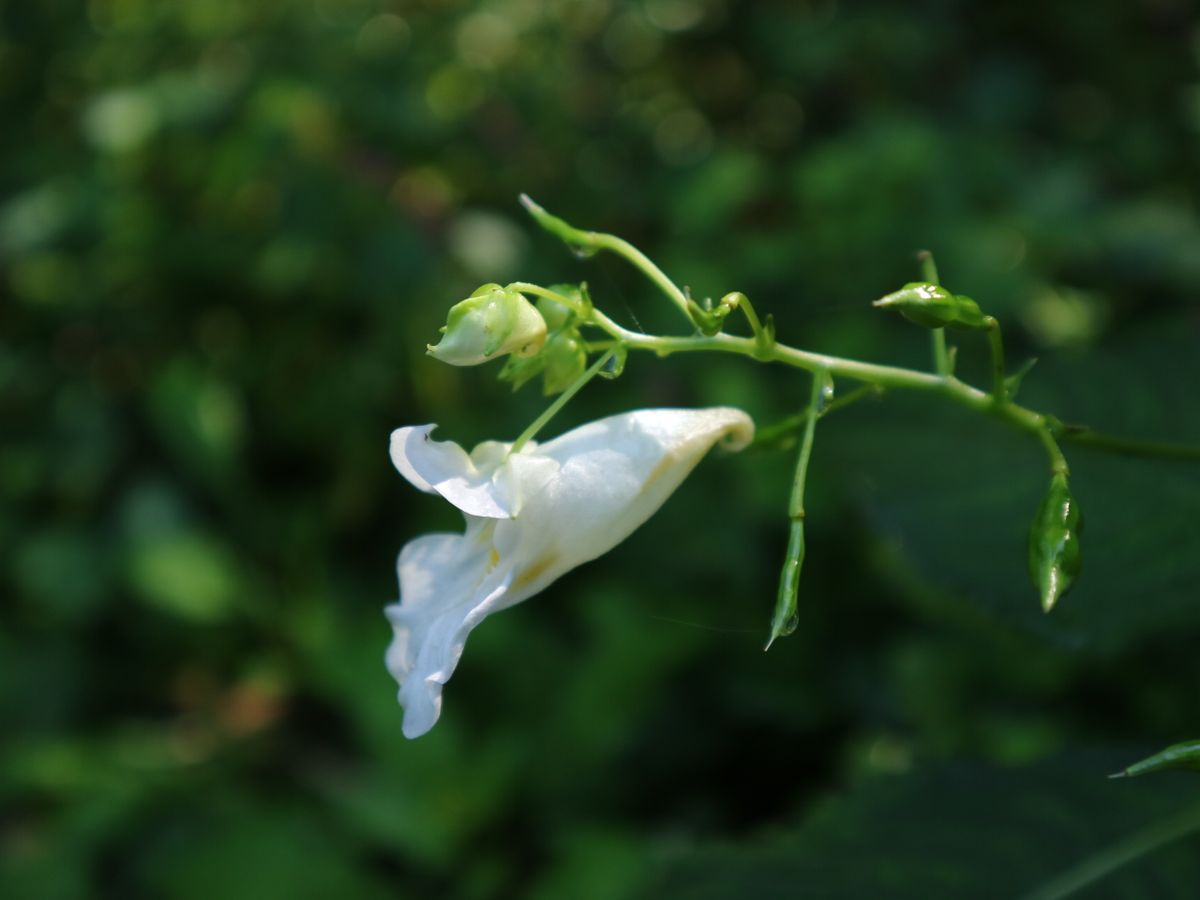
(443, 467)
(579, 496)
(612, 475)
(448, 584)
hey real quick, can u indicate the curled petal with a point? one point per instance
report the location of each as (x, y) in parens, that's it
(443, 467)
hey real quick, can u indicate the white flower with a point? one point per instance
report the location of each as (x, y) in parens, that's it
(531, 517)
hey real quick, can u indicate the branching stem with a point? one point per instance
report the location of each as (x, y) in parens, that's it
(764, 348)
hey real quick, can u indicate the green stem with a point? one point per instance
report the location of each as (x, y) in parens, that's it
(1058, 462)
(1045, 428)
(792, 423)
(783, 621)
(996, 343)
(560, 401)
(593, 240)
(579, 308)
(893, 377)
(763, 335)
(941, 358)
(1081, 434)
(1137, 845)
(929, 269)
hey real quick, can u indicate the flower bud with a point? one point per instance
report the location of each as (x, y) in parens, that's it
(492, 322)
(1054, 551)
(933, 306)
(565, 359)
(556, 315)
(560, 362)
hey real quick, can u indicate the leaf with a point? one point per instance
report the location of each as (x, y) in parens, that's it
(968, 831)
(955, 495)
(1184, 755)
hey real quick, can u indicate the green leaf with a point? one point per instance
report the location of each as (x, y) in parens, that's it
(968, 831)
(952, 494)
(1184, 755)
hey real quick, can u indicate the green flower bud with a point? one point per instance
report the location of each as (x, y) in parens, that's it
(565, 361)
(1054, 551)
(933, 306)
(492, 322)
(560, 362)
(556, 315)
(520, 370)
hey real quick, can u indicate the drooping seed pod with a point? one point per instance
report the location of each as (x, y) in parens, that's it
(1054, 550)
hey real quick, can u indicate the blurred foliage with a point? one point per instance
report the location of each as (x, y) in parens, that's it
(227, 231)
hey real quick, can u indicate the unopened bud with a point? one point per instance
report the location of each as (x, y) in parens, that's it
(492, 322)
(933, 306)
(556, 315)
(1054, 550)
(565, 360)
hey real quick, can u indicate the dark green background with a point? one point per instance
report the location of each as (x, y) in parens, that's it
(229, 228)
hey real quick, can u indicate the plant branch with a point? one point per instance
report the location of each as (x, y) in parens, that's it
(794, 423)
(592, 241)
(783, 621)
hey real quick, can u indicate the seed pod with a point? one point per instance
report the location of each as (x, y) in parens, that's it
(492, 322)
(932, 306)
(1054, 551)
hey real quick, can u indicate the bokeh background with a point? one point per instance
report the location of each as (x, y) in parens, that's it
(227, 231)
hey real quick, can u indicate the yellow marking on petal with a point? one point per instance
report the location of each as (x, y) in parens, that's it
(493, 559)
(664, 465)
(534, 571)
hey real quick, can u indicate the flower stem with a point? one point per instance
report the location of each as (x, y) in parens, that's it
(996, 344)
(1058, 462)
(560, 401)
(591, 241)
(783, 622)
(575, 306)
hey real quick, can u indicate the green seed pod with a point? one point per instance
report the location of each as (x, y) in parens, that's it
(932, 306)
(492, 322)
(1054, 551)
